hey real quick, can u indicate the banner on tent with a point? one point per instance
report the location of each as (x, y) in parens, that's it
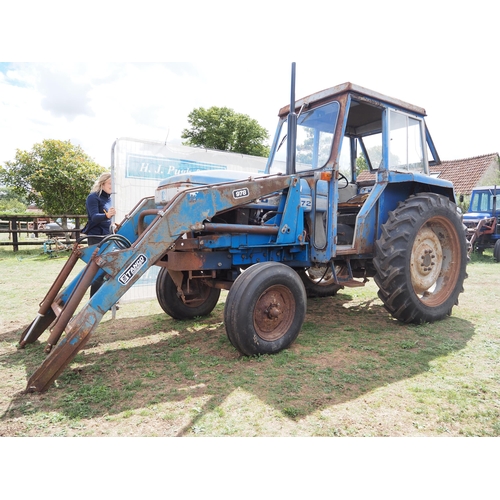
(137, 166)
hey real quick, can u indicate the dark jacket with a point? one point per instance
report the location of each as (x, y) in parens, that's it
(98, 223)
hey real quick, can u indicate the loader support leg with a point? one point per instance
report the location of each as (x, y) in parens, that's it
(45, 314)
(71, 305)
(78, 335)
(36, 328)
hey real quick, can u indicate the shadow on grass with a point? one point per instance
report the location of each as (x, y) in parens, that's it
(344, 350)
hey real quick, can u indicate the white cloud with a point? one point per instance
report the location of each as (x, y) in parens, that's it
(93, 104)
(62, 95)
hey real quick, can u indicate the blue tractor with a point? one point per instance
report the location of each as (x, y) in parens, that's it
(309, 226)
(483, 221)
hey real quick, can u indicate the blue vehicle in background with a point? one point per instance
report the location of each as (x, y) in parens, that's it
(307, 227)
(483, 220)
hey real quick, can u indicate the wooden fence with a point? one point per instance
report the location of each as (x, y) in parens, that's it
(15, 225)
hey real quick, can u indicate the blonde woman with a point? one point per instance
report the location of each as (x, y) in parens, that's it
(99, 209)
(99, 213)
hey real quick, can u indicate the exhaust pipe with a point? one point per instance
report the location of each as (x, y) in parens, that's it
(292, 129)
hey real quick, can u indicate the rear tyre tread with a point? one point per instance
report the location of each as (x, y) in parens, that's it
(392, 258)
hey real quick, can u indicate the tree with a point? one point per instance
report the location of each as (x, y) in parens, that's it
(55, 175)
(11, 202)
(361, 164)
(492, 178)
(225, 130)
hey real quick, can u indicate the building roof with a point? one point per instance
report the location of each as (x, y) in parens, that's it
(465, 174)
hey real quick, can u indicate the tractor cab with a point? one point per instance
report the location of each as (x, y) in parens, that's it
(353, 146)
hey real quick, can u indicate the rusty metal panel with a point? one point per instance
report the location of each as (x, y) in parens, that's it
(192, 261)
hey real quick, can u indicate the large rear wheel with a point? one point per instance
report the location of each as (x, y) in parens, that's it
(199, 298)
(421, 259)
(265, 309)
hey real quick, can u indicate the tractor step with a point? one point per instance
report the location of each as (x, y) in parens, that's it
(354, 283)
(345, 277)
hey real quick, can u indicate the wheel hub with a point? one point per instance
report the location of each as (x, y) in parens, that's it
(274, 313)
(425, 261)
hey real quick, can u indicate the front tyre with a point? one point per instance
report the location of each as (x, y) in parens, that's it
(199, 298)
(265, 309)
(421, 259)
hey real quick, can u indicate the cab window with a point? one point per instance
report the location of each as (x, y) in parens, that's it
(315, 131)
(406, 141)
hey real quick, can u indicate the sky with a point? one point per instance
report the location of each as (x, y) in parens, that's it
(99, 74)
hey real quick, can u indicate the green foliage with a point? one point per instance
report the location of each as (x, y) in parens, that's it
(55, 175)
(492, 177)
(463, 202)
(361, 164)
(225, 130)
(11, 202)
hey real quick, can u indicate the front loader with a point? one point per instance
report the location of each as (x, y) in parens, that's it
(146, 235)
(346, 196)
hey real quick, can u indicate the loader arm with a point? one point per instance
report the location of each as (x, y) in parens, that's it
(124, 266)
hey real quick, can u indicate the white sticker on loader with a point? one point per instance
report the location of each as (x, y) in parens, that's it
(131, 270)
(241, 193)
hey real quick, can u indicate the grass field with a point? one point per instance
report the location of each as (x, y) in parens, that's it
(353, 371)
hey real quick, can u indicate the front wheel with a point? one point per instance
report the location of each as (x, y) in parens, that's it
(421, 259)
(199, 298)
(265, 308)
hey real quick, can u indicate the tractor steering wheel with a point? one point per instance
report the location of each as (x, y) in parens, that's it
(343, 177)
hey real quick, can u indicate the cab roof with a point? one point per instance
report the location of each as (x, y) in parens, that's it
(357, 91)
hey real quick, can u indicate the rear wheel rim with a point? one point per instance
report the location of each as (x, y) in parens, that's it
(434, 268)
